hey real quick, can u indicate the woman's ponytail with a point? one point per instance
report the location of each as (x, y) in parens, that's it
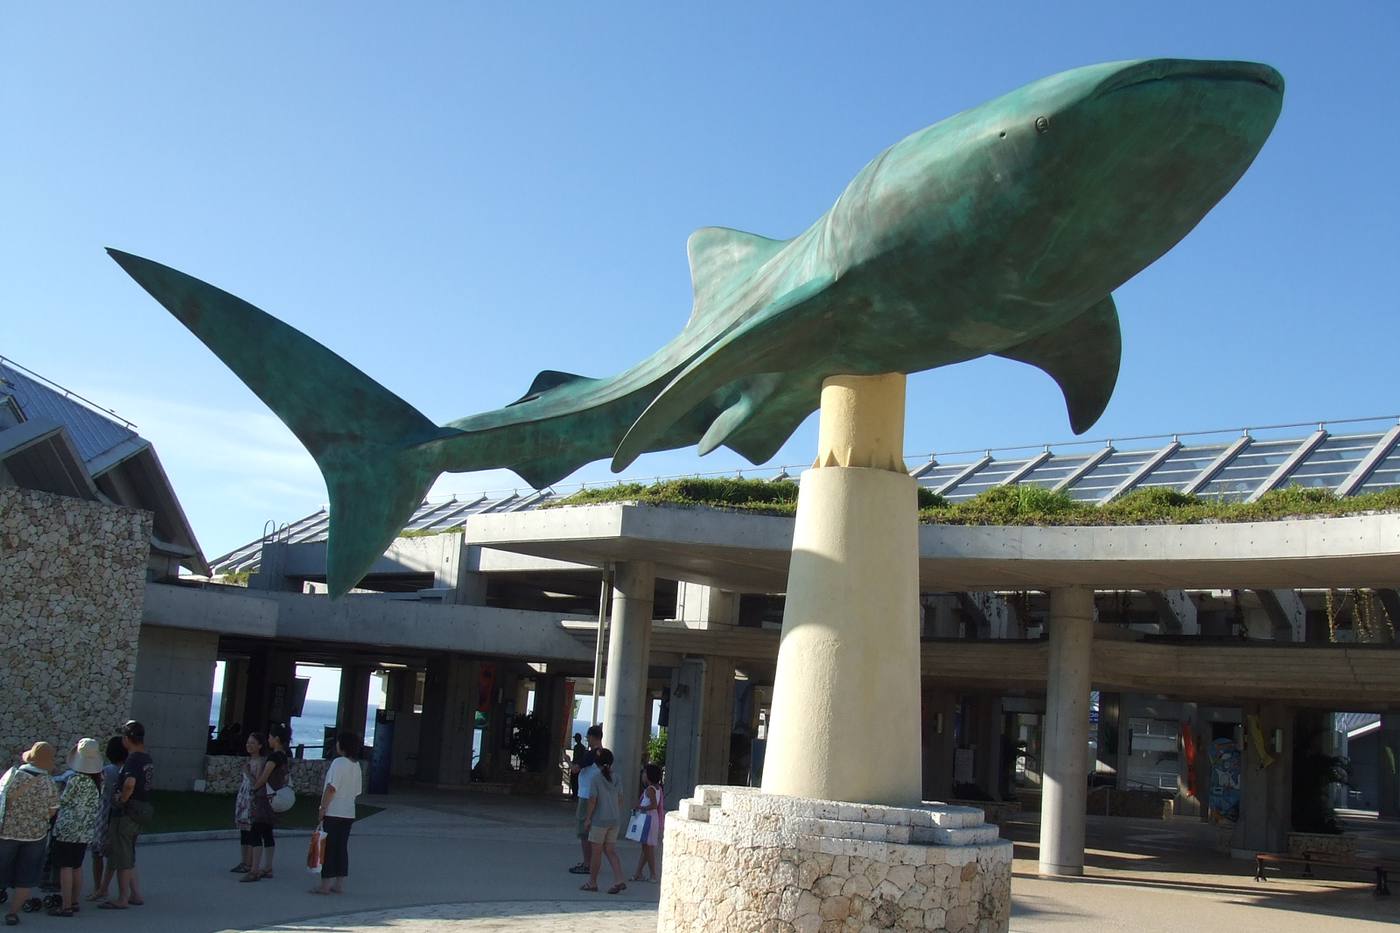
(604, 761)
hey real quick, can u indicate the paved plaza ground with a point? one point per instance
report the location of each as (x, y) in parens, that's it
(477, 863)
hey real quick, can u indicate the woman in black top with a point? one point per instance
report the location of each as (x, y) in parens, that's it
(273, 777)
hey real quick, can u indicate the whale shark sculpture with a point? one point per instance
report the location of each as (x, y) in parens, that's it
(1002, 230)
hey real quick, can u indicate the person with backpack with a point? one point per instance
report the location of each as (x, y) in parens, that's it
(273, 778)
(28, 801)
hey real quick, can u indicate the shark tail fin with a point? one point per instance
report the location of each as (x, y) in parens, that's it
(368, 442)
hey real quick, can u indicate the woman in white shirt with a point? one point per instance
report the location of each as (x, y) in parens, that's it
(338, 812)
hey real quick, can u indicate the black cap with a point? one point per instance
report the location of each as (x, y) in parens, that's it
(134, 730)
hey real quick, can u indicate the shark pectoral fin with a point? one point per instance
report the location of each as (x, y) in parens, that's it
(547, 470)
(721, 261)
(752, 396)
(780, 330)
(1082, 357)
(368, 442)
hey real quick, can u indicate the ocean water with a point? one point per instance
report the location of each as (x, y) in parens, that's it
(308, 728)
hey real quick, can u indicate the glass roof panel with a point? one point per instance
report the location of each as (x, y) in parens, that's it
(1105, 477)
(1386, 475)
(1053, 470)
(1247, 471)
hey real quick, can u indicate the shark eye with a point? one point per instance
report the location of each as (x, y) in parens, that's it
(1042, 125)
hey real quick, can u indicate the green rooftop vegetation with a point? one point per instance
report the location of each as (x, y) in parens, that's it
(1008, 505)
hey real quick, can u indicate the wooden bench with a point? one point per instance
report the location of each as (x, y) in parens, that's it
(1380, 869)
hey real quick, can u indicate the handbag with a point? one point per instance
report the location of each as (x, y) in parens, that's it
(316, 851)
(638, 826)
(283, 799)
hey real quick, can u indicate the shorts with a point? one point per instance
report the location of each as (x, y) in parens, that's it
(580, 815)
(67, 854)
(126, 826)
(602, 835)
(260, 836)
(21, 863)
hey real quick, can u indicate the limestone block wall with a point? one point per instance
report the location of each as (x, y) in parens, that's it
(72, 582)
(224, 773)
(173, 688)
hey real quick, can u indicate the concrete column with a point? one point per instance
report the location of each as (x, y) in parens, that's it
(988, 734)
(683, 733)
(551, 704)
(1387, 764)
(940, 708)
(846, 694)
(1266, 781)
(352, 710)
(448, 721)
(1066, 731)
(173, 686)
(626, 714)
(716, 721)
(705, 607)
(233, 696)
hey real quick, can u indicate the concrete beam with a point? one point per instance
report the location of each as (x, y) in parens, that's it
(750, 553)
(1286, 612)
(423, 626)
(1175, 612)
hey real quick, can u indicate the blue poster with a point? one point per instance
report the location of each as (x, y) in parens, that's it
(1224, 780)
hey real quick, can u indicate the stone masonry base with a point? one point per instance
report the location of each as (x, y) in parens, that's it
(743, 861)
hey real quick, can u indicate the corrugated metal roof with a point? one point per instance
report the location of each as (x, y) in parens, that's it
(93, 434)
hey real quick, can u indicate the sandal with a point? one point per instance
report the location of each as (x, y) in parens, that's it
(11, 920)
(241, 869)
(317, 891)
(251, 876)
(617, 888)
(579, 869)
(588, 886)
(60, 911)
(135, 902)
(110, 905)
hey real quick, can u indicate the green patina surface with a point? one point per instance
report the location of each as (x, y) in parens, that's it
(1002, 230)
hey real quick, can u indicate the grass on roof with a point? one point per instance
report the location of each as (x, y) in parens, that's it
(1008, 505)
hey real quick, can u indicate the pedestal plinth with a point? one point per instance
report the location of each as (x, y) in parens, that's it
(741, 860)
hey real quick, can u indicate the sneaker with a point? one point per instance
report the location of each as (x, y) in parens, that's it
(579, 869)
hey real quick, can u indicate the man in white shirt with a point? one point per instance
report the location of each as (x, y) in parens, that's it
(585, 769)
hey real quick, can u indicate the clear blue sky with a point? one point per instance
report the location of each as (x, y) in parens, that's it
(455, 196)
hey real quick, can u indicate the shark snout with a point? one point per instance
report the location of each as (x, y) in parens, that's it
(1187, 70)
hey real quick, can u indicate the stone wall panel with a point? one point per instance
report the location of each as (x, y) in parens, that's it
(72, 583)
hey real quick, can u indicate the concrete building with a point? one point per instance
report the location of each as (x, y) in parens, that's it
(1169, 638)
(87, 517)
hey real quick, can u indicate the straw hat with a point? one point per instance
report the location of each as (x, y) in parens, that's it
(40, 755)
(86, 758)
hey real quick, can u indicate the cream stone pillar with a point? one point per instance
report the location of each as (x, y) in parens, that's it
(1066, 732)
(845, 712)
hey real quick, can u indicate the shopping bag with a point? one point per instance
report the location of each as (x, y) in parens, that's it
(316, 852)
(637, 826)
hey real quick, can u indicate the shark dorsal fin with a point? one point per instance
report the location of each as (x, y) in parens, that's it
(1082, 357)
(721, 260)
(546, 380)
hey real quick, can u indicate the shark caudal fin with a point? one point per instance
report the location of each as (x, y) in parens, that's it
(366, 440)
